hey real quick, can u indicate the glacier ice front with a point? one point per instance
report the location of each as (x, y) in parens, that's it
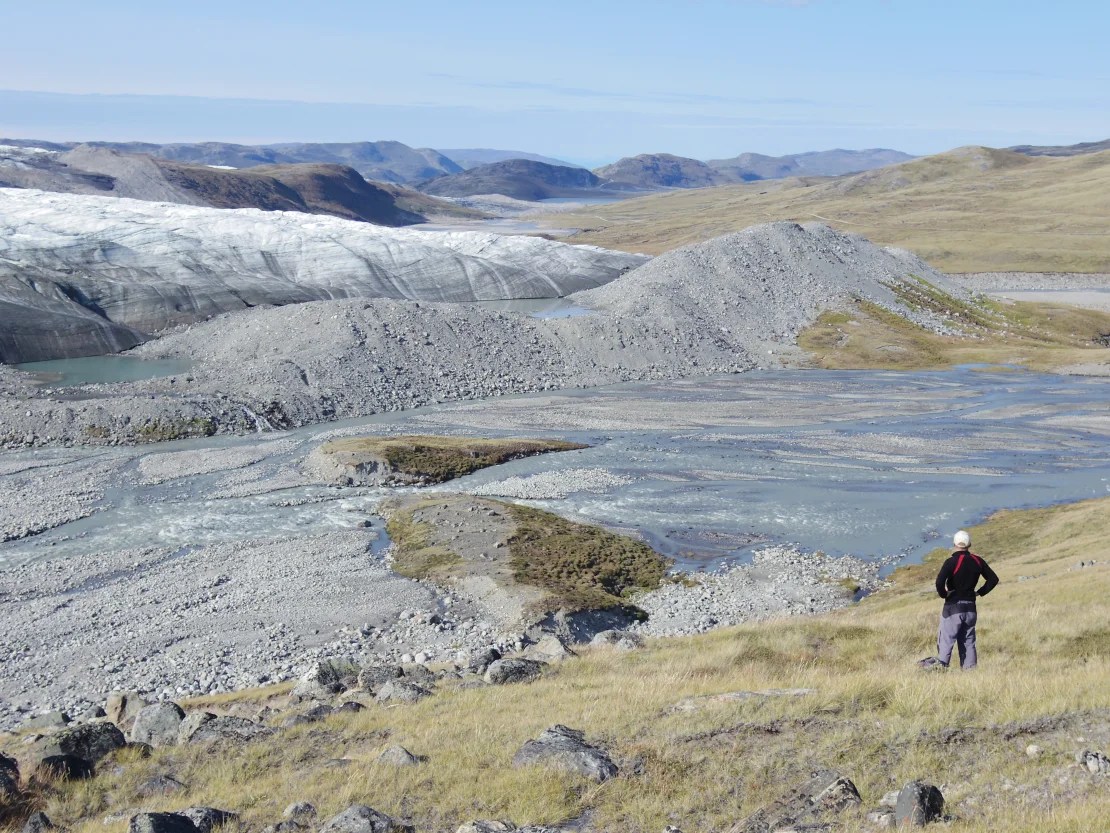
(85, 275)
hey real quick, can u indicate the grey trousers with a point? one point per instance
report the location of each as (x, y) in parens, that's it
(957, 629)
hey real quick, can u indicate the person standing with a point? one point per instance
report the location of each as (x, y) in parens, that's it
(956, 583)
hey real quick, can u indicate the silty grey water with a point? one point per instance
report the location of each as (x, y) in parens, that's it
(844, 462)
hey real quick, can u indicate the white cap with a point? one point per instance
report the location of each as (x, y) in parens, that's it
(961, 539)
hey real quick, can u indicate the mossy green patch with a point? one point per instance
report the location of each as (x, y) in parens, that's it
(580, 566)
(438, 459)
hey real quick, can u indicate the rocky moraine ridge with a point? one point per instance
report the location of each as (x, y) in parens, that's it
(725, 306)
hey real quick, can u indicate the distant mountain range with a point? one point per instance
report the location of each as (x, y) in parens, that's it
(315, 188)
(650, 172)
(1062, 150)
(521, 179)
(473, 157)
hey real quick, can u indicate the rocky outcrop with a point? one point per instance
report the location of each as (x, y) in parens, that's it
(566, 749)
(358, 818)
(400, 691)
(809, 806)
(205, 727)
(325, 679)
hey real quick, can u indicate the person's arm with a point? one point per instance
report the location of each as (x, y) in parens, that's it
(990, 580)
(942, 578)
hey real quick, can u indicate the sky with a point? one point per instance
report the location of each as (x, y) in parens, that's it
(584, 81)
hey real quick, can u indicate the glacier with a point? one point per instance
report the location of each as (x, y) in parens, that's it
(84, 275)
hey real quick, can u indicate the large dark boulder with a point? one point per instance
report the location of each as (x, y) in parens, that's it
(161, 823)
(63, 768)
(918, 804)
(514, 670)
(91, 741)
(9, 777)
(562, 748)
(208, 819)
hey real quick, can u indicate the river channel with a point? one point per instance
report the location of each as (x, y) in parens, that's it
(705, 469)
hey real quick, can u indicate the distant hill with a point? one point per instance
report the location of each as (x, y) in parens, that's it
(336, 190)
(749, 167)
(1062, 150)
(972, 209)
(520, 179)
(469, 158)
(381, 161)
(661, 170)
(665, 170)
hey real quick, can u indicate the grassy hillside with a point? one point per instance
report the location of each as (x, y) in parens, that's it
(971, 209)
(1043, 680)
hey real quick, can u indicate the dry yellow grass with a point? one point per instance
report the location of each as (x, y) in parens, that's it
(1037, 337)
(968, 210)
(1045, 658)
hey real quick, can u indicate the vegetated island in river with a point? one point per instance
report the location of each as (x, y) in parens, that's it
(415, 460)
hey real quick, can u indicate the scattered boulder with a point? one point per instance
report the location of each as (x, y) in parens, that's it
(826, 793)
(159, 785)
(91, 741)
(397, 756)
(313, 715)
(301, 812)
(582, 626)
(38, 822)
(47, 722)
(417, 672)
(918, 804)
(514, 670)
(207, 819)
(222, 728)
(123, 706)
(349, 707)
(358, 818)
(398, 691)
(325, 679)
(1095, 762)
(158, 725)
(63, 768)
(562, 748)
(484, 826)
(549, 648)
(161, 823)
(621, 640)
(192, 724)
(478, 662)
(9, 777)
(375, 676)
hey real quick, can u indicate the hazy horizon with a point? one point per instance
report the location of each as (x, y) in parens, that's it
(589, 84)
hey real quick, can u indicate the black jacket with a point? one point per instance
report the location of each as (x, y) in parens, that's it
(960, 573)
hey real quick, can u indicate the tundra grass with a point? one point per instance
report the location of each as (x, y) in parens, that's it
(1033, 336)
(1044, 679)
(438, 459)
(962, 211)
